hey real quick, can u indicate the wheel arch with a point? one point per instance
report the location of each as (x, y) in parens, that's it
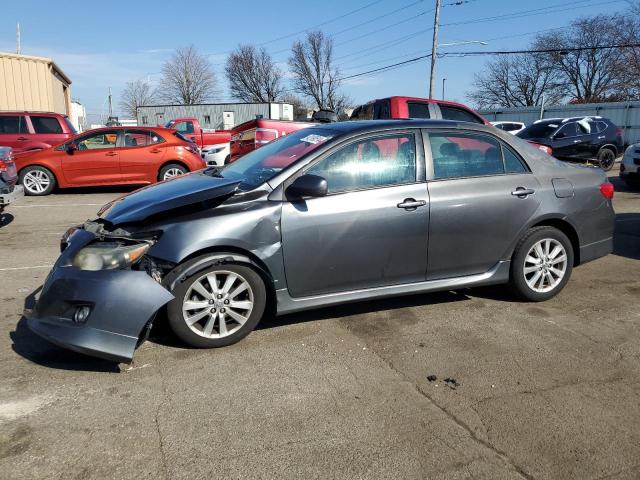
(169, 162)
(569, 230)
(41, 165)
(609, 146)
(218, 255)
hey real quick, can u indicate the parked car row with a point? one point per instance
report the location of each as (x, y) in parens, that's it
(48, 154)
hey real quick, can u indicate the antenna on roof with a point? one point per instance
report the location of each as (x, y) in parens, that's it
(18, 38)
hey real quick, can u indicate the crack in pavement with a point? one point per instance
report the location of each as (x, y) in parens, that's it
(461, 423)
(156, 418)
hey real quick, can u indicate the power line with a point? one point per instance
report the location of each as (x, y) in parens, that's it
(543, 50)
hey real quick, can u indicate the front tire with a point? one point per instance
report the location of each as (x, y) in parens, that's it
(37, 181)
(218, 306)
(606, 159)
(541, 264)
(171, 170)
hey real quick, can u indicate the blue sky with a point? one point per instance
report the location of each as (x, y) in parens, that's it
(102, 45)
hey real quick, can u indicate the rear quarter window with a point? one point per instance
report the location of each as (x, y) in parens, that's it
(459, 114)
(46, 125)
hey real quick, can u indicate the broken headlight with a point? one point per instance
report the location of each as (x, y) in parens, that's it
(109, 255)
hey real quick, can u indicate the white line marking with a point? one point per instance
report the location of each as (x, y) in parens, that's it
(61, 206)
(25, 268)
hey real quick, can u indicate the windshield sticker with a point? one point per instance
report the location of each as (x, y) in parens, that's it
(314, 139)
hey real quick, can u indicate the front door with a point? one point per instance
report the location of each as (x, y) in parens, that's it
(476, 211)
(94, 161)
(566, 142)
(14, 132)
(370, 230)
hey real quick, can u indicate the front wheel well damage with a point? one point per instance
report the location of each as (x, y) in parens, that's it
(566, 228)
(205, 258)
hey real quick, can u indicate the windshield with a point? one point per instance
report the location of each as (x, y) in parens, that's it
(266, 162)
(538, 130)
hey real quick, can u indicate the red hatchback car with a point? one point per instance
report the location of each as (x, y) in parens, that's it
(109, 156)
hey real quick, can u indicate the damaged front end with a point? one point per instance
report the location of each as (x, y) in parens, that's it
(102, 293)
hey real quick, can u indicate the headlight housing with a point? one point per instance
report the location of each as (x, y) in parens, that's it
(109, 255)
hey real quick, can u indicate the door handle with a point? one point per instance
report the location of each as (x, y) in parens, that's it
(111, 154)
(601, 137)
(522, 192)
(23, 139)
(411, 204)
(155, 150)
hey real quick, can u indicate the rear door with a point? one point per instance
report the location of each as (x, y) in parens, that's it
(476, 212)
(95, 161)
(141, 154)
(47, 129)
(14, 132)
(371, 229)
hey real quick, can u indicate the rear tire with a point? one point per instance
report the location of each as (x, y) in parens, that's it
(206, 318)
(606, 159)
(541, 264)
(171, 170)
(37, 181)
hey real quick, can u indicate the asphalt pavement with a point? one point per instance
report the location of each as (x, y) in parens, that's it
(462, 384)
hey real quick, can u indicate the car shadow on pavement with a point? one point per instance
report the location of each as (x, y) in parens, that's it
(363, 308)
(626, 236)
(106, 189)
(5, 219)
(37, 350)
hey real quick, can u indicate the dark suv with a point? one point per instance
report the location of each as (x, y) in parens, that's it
(578, 138)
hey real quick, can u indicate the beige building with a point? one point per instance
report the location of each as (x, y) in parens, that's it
(33, 84)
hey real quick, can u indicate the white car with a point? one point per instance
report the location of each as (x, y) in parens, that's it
(216, 155)
(630, 166)
(511, 127)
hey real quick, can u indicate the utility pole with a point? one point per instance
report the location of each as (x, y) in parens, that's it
(443, 80)
(18, 38)
(110, 105)
(434, 48)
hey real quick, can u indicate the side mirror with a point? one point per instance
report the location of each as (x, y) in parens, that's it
(307, 186)
(72, 147)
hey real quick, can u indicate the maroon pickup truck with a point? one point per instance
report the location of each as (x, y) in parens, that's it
(25, 132)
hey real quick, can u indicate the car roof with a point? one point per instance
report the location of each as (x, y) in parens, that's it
(353, 126)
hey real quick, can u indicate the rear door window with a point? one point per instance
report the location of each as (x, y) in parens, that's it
(12, 124)
(141, 138)
(46, 124)
(460, 155)
(418, 110)
(459, 114)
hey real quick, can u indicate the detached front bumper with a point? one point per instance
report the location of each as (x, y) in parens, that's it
(121, 304)
(10, 197)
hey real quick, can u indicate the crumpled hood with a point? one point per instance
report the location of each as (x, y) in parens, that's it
(169, 195)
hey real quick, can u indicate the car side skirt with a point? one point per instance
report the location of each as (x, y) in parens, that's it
(499, 273)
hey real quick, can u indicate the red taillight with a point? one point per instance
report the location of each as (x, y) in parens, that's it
(3, 166)
(618, 132)
(606, 189)
(545, 149)
(265, 135)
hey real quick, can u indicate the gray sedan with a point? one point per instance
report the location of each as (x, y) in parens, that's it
(326, 215)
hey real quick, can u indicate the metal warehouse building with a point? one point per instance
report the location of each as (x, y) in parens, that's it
(33, 84)
(221, 116)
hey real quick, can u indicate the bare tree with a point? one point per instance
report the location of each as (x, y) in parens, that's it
(252, 75)
(187, 78)
(517, 81)
(135, 94)
(300, 107)
(590, 75)
(314, 73)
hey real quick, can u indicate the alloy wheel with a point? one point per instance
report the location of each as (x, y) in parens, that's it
(36, 181)
(607, 160)
(545, 265)
(172, 172)
(217, 304)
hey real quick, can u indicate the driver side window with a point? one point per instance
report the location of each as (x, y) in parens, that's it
(374, 162)
(99, 140)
